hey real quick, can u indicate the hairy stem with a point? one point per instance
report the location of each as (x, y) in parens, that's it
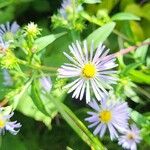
(37, 67)
(126, 50)
(129, 49)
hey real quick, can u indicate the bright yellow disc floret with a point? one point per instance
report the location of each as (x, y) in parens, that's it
(105, 116)
(89, 70)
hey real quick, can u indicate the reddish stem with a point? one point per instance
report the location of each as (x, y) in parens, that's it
(3, 103)
(126, 50)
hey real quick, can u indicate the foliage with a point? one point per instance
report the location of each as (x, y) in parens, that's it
(52, 119)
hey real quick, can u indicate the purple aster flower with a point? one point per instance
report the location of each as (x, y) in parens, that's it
(130, 138)
(8, 30)
(7, 78)
(13, 28)
(46, 83)
(3, 45)
(111, 114)
(92, 71)
(7, 125)
(64, 5)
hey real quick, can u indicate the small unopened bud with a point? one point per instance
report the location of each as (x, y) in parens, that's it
(32, 30)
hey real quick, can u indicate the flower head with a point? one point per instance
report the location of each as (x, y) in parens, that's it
(3, 45)
(7, 125)
(8, 30)
(112, 115)
(32, 30)
(65, 7)
(9, 60)
(91, 71)
(130, 138)
(7, 78)
(46, 83)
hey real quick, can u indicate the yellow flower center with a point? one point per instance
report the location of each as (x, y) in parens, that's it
(89, 70)
(105, 116)
(130, 136)
(8, 36)
(2, 123)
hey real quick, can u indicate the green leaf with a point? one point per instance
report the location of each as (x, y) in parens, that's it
(100, 34)
(138, 118)
(14, 142)
(28, 108)
(129, 68)
(42, 42)
(134, 9)
(15, 96)
(68, 148)
(124, 16)
(77, 125)
(140, 77)
(125, 28)
(35, 95)
(92, 1)
(55, 51)
(71, 118)
(142, 51)
(40, 107)
(146, 11)
(129, 92)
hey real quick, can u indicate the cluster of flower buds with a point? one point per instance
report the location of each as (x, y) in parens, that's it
(32, 30)
(69, 16)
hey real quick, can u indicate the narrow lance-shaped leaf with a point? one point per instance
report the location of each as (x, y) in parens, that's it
(124, 16)
(77, 125)
(142, 51)
(140, 77)
(138, 118)
(100, 34)
(71, 118)
(92, 1)
(42, 42)
(35, 95)
(15, 96)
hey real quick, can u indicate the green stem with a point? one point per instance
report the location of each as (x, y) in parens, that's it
(77, 125)
(121, 35)
(74, 11)
(144, 92)
(0, 141)
(120, 58)
(37, 67)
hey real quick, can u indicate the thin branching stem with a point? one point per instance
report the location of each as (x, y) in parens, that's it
(127, 50)
(37, 67)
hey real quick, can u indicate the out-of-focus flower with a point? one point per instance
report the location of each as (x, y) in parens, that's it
(32, 30)
(69, 16)
(65, 7)
(8, 61)
(3, 45)
(110, 114)
(91, 70)
(130, 138)
(46, 83)
(7, 125)
(8, 30)
(7, 78)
